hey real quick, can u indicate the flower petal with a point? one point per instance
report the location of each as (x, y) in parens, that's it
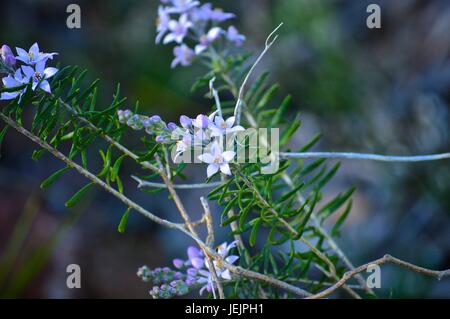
(225, 168)
(197, 262)
(230, 121)
(231, 259)
(49, 72)
(226, 275)
(228, 155)
(193, 252)
(211, 170)
(28, 71)
(45, 86)
(206, 158)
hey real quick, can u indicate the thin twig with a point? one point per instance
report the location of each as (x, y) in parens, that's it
(215, 95)
(240, 98)
(209, 222)
(145, 184)
(385, 259)
(210, 244)
(363, 156)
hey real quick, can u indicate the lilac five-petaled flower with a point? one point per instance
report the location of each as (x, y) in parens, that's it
(178, 29)
(221, 127)
(34, 55)
(180, 6)
(162, 23)
(183, 55)
(39, 75)
(217, 160)
(234, 36)
(207, 39)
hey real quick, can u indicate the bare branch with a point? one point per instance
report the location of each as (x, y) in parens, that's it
(384, 260)
(209, 222)
(363, 156)
(240, 98)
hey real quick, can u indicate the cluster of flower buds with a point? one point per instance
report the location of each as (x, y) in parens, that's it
(33, 70)
(153, 125)
(193, 27)
(159, 275)
(190, 273)
(166, 291)
(204, 132)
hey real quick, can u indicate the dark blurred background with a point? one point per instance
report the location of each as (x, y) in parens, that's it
(384, 91)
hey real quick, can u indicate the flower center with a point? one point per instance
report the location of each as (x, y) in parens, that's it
(38, 76)
(218, 159)
(31, 55)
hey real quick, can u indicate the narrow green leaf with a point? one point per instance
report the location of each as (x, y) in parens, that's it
(123, 221)
(116, 167)
(37, 154)
(2, 136)
(256, 225)
(281, 110)
(53, 178)
(148, 155)
(78, 195)
(341, 219)
(268, 95)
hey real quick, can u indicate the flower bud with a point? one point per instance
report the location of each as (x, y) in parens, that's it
(7, 56)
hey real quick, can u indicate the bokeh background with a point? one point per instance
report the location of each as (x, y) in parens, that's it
(384, 91)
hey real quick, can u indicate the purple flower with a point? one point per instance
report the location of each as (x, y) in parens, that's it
(220, 16)
(33, 56)
(7, 56)
(217, 160)
(185, 121)
(180, 6)
(162, 23)
(195, 257)
(171, 126)
(39, 75)
(178, 29)
(183, 55)
(207, 39)
(221, 127)
(178, 263)
(234, 36)
(206, 12)
(201, 121)
(155, 119)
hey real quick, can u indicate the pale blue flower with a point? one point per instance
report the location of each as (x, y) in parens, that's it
(201, 121)
(34, 55)
(180, 6)
(206, 12)
(234, 36)
(39, 75)
(221, 127)
(183, 56)
(162, 23)
(207, 39)
(217, 160)
(178, 29)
